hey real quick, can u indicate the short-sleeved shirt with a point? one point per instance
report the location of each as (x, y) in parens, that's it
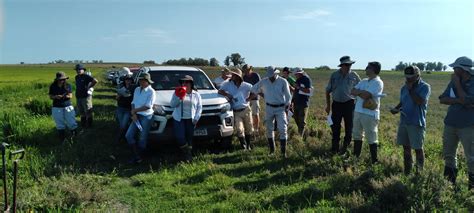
(144, 97)
(341, 86)
(54, 89)
(460, 115)
(125, 97)
(414, 114)
(299, 99)
(291, 81)
(253, 78)
(375, 88)
(276, 92)
(82, 83)
(240, 93)
(219, 81)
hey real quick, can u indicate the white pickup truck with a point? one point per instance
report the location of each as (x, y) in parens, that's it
(217, 117)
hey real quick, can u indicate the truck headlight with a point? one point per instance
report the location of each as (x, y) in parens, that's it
(159, 110)
(225, 107)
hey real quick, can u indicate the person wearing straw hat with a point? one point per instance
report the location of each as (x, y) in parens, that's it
(252, 78)
(367, 111)
(84, 83)
(63, 112)
(276, 93)
(413, 106)
(142, 117)
(459, 120)
(224, 77)
(303, 88)
(187, 105)
(339, 87)
(237, 92)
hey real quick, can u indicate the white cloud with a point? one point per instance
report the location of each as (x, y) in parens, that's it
(146, 35)
(314, 14)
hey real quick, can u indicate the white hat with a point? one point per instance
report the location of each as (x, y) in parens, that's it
(297, 70)
(271, 71)
(464, 63)
(125, 71)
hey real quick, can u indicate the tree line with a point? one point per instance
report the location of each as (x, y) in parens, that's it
(424, 66)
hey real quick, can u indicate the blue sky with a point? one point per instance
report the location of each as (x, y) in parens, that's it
(280, 33)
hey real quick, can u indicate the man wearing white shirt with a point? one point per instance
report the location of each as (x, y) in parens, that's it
(238, 91)
(142, 116)
(225, 76)
(276, 93)
(367, 111)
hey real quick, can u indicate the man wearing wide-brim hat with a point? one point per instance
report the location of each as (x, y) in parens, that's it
(224, 77)
(142, 117)
(237, 92)
(339, 87)
(84, 84)
(62, 111)
(459, 120)
(276, 93)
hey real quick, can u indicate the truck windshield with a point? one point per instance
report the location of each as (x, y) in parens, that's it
(169, 80)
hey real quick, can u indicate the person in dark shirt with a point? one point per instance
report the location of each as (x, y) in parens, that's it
(301, 98)
(124, 105)
(252, 78)
(84, 88)
(63, 112)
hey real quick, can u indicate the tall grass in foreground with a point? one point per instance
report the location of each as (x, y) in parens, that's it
(91, 173)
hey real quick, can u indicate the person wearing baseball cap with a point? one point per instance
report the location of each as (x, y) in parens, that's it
(142, 117)
(285, 73)
(276, 93)
(300, 102)
(237, 92)
(339, 87)
(253, 78)
(459, 120)
(224, 77)
(63, 112)
(413, 105)
(124, 104)
(84, 83)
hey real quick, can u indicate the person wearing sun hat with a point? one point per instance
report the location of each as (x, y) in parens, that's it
(413, 105)
(237, 92)
(63, 112)
(277, 96)
(84, 83)
(187, 108)
(339, 87)
(142, 117)
(224, 77)
(459, 120)
(300, 102)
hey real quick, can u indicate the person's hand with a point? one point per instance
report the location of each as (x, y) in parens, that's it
(230, 97)
(455, 77)
(328, 109)
(409, 85)
(134, 117)
(195, 122)
(394, 110)
(59, 96)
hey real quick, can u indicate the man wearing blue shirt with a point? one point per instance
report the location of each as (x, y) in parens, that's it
(300, 100)
(459, 120)
(413, 105)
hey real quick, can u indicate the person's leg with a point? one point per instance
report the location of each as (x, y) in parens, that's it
(81, 109)
(348, 115)
(269, 125)
(450, 145)
(255, 106)
(248, 126)
(282, 125)
(416, 136)
(370, 126)
(70, 119)
(132, 143)
(357, 134)
(58, 116)
(89, 114)
(239, 128)
(466, 136)
(189, 132)
(407, 160)
(145, 121)
(336, 117)
(123, 116)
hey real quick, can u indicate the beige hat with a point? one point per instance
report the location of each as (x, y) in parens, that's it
(345, 60)
(237, 72)
(61, 76)
(412, 71)
(146, 76)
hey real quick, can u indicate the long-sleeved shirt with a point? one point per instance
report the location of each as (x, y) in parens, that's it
(275, 93)
(460, 115)
(196, 106)
(341, 86)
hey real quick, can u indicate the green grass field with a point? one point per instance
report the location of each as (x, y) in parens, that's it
(92, 174)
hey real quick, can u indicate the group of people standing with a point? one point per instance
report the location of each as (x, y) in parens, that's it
(348, 98)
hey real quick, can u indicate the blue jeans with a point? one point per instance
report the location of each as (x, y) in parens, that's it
(184, 131)
(123, 117)
(145, 121)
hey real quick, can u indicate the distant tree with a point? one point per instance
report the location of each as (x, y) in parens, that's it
(421, 65)
(213, 62)
(22, 62)
(227, 61)
(237, 59)
(439, 66)
(149, 62)
(430, 66)
(445, 67)
(323, 67)
(401, 66)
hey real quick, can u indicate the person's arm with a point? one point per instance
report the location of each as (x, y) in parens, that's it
(93, 82)
(445, 98)
(328, 95)
(223, 91)
(286, 93)
(254, 91)
(356, 91)
(198, 112)
(421, 97)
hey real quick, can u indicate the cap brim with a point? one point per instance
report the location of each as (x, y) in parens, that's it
(410, 76)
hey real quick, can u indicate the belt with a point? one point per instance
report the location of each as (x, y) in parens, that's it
(240, 110)
(275, 105)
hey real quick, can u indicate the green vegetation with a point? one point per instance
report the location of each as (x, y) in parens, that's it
(91, 173)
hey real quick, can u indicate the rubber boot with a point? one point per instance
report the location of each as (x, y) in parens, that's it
(248, 140)
(471, 181)
(242, 143)
(335, 147)
(373, 153)
(187, 152)
(451, 174)
(62, 135)
(283, 148)
(271, 145)
(344, 147)
(357, 147)
(420, 162)
(83, 122)
(407, 163)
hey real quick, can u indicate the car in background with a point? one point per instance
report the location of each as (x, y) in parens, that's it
(216, 122)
